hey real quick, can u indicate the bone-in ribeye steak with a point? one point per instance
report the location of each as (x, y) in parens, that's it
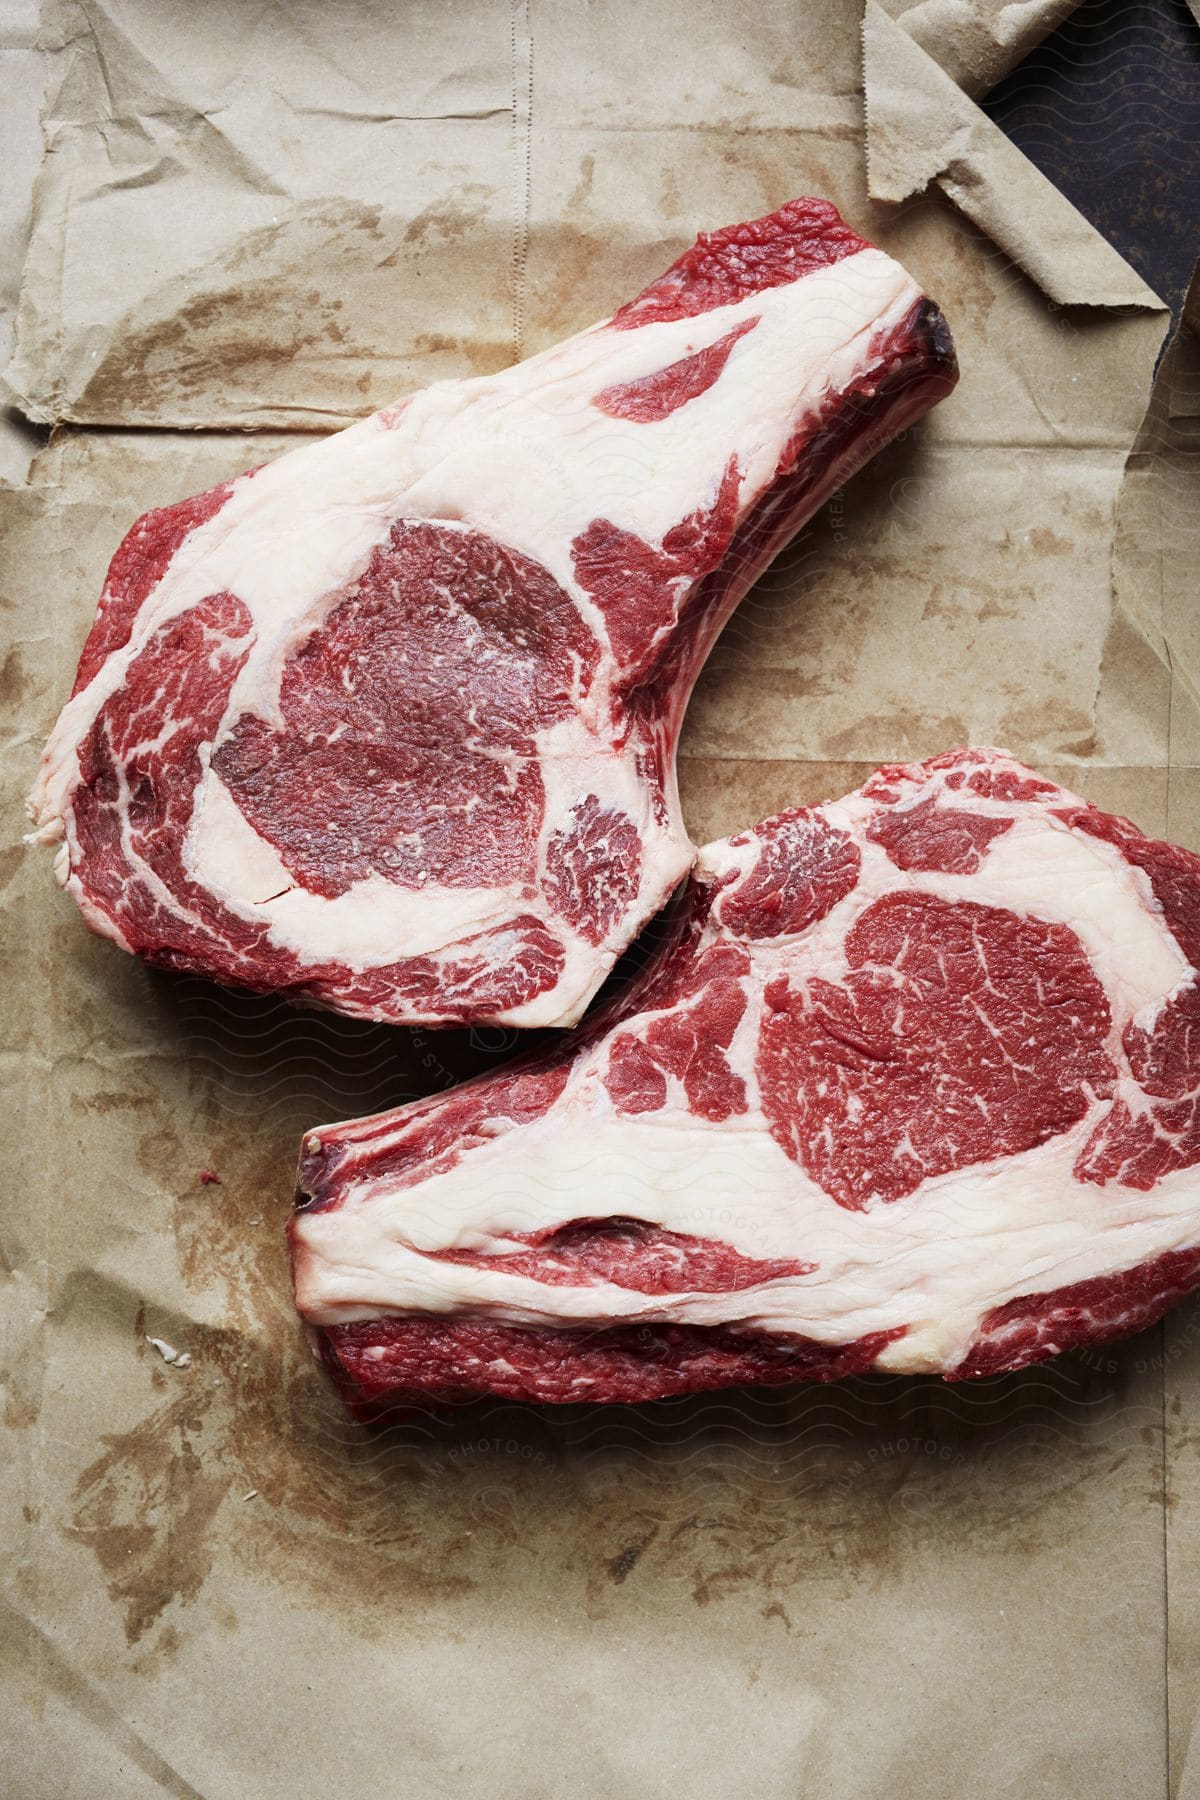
(912, 1083)
(390, 723)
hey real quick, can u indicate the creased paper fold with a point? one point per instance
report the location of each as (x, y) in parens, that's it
(1154, 636)
(923, 127)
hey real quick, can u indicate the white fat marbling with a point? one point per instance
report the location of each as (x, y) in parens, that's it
(377, 921)
(935, 1261)
(524, 456)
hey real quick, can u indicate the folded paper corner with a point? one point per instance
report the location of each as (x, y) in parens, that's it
(922, 128)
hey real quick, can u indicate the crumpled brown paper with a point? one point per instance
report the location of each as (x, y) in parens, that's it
(922, 64)
(211, 244)
(216, 1584)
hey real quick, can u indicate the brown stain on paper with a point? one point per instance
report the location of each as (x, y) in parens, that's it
(1048, 542)
(626, 1561)
(581, 193)
(176, 355)
(281, 342)
(1049, 729)
(251, 328)
(11, 860)
(723, 1500)
(145, 1507)
(14, 682)
(330, 1516)
(107, 1100)
(20, 1412)
(452, 217)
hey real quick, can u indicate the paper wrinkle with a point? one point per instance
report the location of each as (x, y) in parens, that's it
(241, 212)
(1153, 636)
(922, 127)
(57, 1675)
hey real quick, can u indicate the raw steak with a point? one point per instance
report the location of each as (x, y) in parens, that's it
(390, 723)
(912, 1083)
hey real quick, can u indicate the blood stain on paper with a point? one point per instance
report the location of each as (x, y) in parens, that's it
(277, 1428)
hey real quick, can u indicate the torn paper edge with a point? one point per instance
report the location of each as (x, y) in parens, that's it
(922, 128)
